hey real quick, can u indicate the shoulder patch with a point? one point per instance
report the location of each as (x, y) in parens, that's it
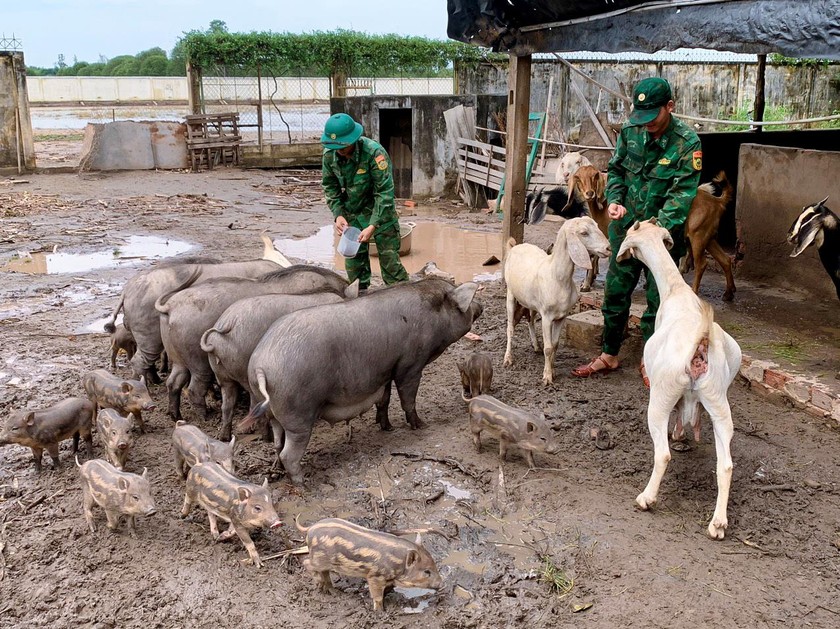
(381, 161)
(697, 160)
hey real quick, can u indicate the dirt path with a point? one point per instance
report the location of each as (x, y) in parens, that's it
(575, 519)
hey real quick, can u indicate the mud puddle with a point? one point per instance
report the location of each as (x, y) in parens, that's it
(459, 252)
(135, 248)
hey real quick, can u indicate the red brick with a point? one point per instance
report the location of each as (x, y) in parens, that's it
(775, 378)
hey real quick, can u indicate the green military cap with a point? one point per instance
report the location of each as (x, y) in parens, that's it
(340, 131)
(648, 96)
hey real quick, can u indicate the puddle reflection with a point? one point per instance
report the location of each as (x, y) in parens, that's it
(459, 252)
(135, 248)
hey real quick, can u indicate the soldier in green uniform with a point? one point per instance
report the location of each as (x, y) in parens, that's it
(359, 186)
(654, 173)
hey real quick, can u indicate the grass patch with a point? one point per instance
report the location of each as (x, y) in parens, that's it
(791, 350)
(59, 137)
(555, 577)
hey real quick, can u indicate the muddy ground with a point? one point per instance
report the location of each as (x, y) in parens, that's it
(573, 519)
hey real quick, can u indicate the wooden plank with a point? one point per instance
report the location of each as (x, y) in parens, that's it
(513, 201)
(464, 165)
(484, 159)
(592, 115)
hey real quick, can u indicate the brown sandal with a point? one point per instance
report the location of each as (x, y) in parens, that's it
(584, 371)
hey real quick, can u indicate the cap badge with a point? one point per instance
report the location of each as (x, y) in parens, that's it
(332, 136)
(641, 97)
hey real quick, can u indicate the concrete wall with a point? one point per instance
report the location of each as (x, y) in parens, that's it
(93, 89)
(433, 156)
(711, 90)
(774, 184)
(17, 148)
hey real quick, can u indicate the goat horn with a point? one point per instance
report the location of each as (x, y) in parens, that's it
(822, 202)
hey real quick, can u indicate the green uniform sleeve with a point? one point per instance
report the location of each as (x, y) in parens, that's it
(682, 191)
(332, 187)
(616, 185)
(384, 206)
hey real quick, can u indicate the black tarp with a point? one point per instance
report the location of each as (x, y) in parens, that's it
(794, 28)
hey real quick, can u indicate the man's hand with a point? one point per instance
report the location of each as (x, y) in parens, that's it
(340, 225)
(616, 211)
(367, 233)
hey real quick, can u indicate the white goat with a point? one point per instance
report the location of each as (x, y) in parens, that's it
(690, 360)
(541, 283)
(569, 164)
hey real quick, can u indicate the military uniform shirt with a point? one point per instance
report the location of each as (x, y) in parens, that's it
(655, 178)
(360, 186)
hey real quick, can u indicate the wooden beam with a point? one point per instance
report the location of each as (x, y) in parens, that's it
(194, 83)
(519, 97)
(758, 107)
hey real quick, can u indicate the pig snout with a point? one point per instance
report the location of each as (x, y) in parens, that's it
(275, 524)
(149, 406)
(122, 445)
(552, 448)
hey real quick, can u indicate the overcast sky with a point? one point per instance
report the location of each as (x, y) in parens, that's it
(86, 29)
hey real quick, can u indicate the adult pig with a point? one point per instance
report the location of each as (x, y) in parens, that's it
(512, 426)
(231, 341)
(335, 362)
(118, 493)
(224, 496)
(142, 291)
(189, 313)
(121, 339)
(114, 432)
(126, 396)
(43, 429)
(193, 446)
(382, 559)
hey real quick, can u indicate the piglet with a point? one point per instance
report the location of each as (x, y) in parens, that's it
(122, 339)
(224, 496)
(193, 446)
(43, 429)
(118, 493)
(114, 432)
(476, 374)
(511, 426)
(125, 396)
(355, 551)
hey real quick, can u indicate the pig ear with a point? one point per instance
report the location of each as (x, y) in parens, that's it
(132, 418)
(265, 483)
(352, 291)
(411, 558)
(530, 427)
(577, 251)
(232, 440)
(126, 387)
(244, 493)
(542, 416)
(30, 418)
(145, 473)
(122, 484)
(463, 295)
(143, 380)
(418, 540)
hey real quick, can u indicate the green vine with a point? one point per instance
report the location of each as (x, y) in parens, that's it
(779, 60)
(326, 53)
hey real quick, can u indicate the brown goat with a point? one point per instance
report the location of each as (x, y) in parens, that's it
(589, 184)
(701, 228)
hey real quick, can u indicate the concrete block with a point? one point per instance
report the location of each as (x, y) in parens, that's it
(822, 398)
(755, 370)
(129, 145)
(798, 389)
(583, 330)
(835, 410)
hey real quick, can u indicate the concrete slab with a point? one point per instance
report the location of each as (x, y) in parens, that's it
(130, 145)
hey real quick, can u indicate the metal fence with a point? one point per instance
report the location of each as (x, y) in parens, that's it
(291, 109)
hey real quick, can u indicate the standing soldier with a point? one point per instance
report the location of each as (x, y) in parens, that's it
(359, 186)
(654, 173)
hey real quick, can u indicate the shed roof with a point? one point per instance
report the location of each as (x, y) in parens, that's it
(793, 28)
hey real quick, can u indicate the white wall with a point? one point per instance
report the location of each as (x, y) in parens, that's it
(74, 89)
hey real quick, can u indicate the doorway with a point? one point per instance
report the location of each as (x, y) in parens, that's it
(395, 137)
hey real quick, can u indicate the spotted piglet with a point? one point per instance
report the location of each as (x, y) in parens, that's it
(122, 339)
(193, 446)
(381, 558)
(476, 374)
(114, 432)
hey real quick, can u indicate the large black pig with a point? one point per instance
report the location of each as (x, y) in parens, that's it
(336, 361)
(142, 290)
(189, 313)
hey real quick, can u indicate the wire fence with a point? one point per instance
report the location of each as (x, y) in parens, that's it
(292, 109)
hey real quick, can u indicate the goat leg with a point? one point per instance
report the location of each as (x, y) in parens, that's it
(725, 263)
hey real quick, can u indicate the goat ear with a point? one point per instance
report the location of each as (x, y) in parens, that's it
(577, 250)
(807, 234)
(625, 255)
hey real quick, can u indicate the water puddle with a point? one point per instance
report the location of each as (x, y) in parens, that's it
(456, 492)
(459, 252)
(461, 559)
(98, 326)
(135, 248)
(413, 594)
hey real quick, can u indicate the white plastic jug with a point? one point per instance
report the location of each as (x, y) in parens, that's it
(348, 245)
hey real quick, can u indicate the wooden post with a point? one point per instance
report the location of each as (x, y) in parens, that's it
(194, 83)
(758, 107)
(516, 157)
